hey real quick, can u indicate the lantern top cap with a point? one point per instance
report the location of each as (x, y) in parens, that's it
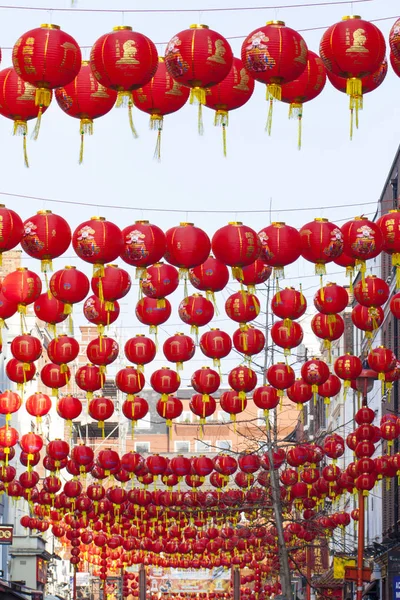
(85, 63)
(348, 17)
(141, 222)
(69, 267)
(49, 26)
(235, 223)
(393, 210)
(44, 212)
(22, 269)
(122, 28)
(214, 329)
(280, 23)
(112, 266)
(140, 335)
(320, 220)
(97, 218)
(278, 223)
(198, 26)
(185, 224)
(161, 59)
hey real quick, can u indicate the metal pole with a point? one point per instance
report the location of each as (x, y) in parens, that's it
(308, 574)
(74, 584)
(360, 547)
(104, 590)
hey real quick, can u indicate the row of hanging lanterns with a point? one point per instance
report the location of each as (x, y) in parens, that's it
(125, 68)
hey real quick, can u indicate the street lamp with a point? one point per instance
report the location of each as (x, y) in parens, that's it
(364, 384)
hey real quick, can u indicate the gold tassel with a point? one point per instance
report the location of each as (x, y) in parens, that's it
(222, 118)
(21, 128)
(354, 90)
(36, 130)
(131, 124)
(156, 122)
(296, 111)
(42, 97)
(274, 92)
(86, 127)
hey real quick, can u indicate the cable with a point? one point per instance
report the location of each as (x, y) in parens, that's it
(179, 10)
(176, 210)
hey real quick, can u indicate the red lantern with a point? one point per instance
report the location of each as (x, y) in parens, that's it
(210, 277)
(363, 240)
(205, 381)
(55, 377)
(85, 99)
(394, 39)
(329, 388)
(17, 102)
(69, 408)
(254, 275)
(390, 227)
(306, 87)
(187, 246)
(365, 482)
(161, 96)
(38, 405)
(215, 344)
(196, 311)
(372, 292)
(353, 48)
(280, 376)
(288, 304)
(97, 242)
(46, 236)
(243, 380)
(179, 348)
(165, 381)
(143, 245)
(274, 55)
(20, 372)
(315, 372)
(10, 402)
(169, 409)
(232, 403)
(242, 307)
(63, 349)
(286, 336)
(381, 360)
(90, 379)
(249, 342)
(130, 381)
(202, 405)
(69, 286)
(7, 310)
(96, 312)
(102, 351)
(367, 319)
(124, 60)
(321, 242)
(22, 287)
(114, 285)
(198, 58)
(140, 350)
(300, 392)
(331, 299)
(237, 246)
(31, 443)
(101, 409)
(50, 310)
(280, 246)
(231, 93)
(369, 83)
(47, 58)
(266, 398)
(8, 438)
(395, 305)
(347, 367)
(327, 328)
(160, 280)
(26, 348)
(152, 312)
(135, 408)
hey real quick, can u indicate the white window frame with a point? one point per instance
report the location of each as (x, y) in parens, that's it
(180, 451)
(137, 444)
(223, 417)
(202, 446)
(184, 417)
(218, 447)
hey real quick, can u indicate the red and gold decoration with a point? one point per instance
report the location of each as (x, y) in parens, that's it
(85, 99)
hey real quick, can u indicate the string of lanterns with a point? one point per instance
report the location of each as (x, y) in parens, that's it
(125, 69)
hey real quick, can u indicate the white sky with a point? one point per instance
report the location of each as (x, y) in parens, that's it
(193, 175)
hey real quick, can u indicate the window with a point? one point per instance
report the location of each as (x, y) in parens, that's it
(260, 417)
(224, 445)
(144, 423)
(182, 447)
(223, 417)
(202, 446)
(142, 447)
(185, 417)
